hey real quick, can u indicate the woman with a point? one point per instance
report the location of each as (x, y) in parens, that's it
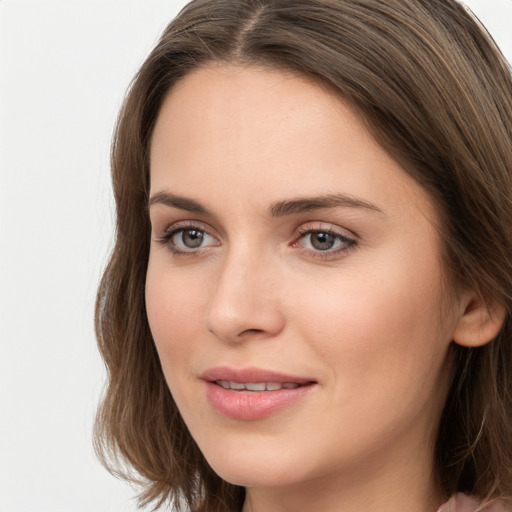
(307, 307)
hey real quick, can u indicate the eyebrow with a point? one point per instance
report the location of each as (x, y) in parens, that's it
(323, 202)
(277, 209)
(180, 202)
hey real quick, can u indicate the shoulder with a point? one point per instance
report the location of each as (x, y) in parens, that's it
(464, 503)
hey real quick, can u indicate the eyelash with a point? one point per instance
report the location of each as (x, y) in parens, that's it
(347, 243)
(166, 239)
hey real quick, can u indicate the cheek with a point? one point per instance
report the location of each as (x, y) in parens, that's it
(378, 326)
(174, 308)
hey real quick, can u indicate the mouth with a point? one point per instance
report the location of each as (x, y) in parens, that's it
(253, 379)
(257, 386)
(252, 393)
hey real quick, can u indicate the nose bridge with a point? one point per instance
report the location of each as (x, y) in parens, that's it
(245, 300)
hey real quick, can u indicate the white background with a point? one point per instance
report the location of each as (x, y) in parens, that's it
(64, 67)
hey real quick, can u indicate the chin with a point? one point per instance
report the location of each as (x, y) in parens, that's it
(249, 469)
(253, 477)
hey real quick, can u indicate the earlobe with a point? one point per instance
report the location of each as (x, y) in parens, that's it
(480, 322)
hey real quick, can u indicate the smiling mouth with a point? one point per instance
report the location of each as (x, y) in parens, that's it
(257, 386)
(250, 394)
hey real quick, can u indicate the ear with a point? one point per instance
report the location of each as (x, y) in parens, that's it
(480, 321)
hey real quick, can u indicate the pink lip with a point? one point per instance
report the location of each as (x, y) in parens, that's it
(250, 375)
(252, 405)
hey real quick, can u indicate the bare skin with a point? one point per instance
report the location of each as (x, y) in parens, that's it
(285, 238)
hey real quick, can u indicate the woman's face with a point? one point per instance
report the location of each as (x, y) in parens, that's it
(294, 288)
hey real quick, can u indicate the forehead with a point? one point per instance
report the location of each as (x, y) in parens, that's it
(254, 135)
(224, 107)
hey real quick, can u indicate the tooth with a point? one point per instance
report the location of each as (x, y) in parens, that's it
(255, 386)
(290, 385)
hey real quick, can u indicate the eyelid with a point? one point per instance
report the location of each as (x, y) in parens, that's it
(328, 227)
(188, 224)
(170, 231)
(349, 239)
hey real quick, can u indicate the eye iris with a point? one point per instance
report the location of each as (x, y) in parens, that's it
(192, 238)
(322, 241)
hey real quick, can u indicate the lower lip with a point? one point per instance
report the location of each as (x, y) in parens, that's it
(252, 405)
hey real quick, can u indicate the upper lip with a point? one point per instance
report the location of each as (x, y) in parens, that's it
(251, 374)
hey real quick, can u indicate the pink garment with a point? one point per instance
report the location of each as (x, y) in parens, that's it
(464, 503)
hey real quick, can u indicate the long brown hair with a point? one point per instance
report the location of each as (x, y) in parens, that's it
(437, 95)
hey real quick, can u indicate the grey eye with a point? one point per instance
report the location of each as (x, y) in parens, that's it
(322, 241)
(189, 238)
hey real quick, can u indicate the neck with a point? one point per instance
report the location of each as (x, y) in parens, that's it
(403, 482)
(342, 498)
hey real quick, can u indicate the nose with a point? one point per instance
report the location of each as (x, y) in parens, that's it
(245, 303)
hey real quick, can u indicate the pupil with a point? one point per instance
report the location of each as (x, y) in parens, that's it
(192, 238)
(322, 241)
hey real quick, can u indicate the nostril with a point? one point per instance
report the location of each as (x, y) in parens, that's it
(234, 318)
(250, 331)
